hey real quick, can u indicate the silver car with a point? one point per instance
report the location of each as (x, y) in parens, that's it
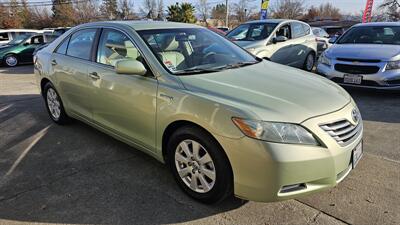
(288, 42)
(367, 55)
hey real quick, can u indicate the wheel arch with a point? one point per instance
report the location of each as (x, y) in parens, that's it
(43, 82)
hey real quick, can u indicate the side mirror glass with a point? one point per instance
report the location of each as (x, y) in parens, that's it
(332, 40)
(279, 39)
(130, 66)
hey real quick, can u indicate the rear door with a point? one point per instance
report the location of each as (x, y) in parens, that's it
(70, 64)
(124, 104)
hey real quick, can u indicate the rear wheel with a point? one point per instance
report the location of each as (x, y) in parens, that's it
(11, 60)
(310, 62)
(54, 105)
(199, 165)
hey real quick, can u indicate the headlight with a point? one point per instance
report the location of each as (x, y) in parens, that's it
(325, 60)
(394, 65)
(275, 132)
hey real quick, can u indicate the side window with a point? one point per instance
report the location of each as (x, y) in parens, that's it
(284, 31)
(4, 37)
(37, 40)
(80, 44)
(239, 33)
(62, 48)
(297, 29)
(306, 29)
(114, 46)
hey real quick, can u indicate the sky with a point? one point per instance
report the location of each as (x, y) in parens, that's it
(346, 6)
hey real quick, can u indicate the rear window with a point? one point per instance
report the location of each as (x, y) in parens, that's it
(80, 44)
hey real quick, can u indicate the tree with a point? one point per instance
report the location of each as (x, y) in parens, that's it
(202, 7)
(218, 12)
(326, 10)
(183, 12)
(25, 14)
(86, 11)
(160, 10)
(391, 9)
(63, 13)
(42, 18)
(12, 16)
(149, 8)
(109, 9)
(288, 9)
(125, 10)
(243, 10)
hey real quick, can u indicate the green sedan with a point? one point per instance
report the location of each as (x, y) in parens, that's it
(20, 50)
(225, 122)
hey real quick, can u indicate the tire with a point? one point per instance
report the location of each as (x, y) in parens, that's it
(209, 149)
(54, 105)
(11, 60)
(309, 65)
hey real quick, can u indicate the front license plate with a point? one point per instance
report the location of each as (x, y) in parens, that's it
(352, 78)
(357, 154)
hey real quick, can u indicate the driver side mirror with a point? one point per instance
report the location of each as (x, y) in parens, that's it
(279, 39)
(332, 40)
(130, 66)
(26, 43)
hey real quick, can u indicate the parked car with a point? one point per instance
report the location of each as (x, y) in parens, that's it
(367, 55)
(216, 30)
(8, 35)
(334, 31)
(224, 29)
(20, 50)
(225, 121)
(322, 39)
(288, 42)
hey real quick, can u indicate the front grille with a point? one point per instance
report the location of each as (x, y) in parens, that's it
(356, 69)
(359, 60)
(342, 131)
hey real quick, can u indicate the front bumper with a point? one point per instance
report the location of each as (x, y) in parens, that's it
(263, 171)
(383, 80)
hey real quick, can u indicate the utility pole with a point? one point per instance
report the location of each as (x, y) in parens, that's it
(227, 14)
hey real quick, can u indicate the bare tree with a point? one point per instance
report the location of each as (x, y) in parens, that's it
(160, 10)
(86, 11)
(243, 9)
(150, 8)
(324, 10)
(391, 9)
(288, 9)
(202, 7)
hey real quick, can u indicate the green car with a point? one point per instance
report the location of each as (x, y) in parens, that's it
(20, 50)
(225, 121)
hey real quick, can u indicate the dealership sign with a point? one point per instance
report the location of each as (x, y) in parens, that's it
(264, 8)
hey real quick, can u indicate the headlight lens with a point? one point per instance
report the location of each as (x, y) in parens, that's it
(325, 60)
(394, 65)
(275, 132)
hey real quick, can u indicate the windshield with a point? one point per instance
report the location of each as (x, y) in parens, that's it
(195, 50)
(251, 32)
(19, 39)
(372, 35)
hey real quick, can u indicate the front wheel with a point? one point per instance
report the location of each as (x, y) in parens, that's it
(199, 165)
(11, 60)
(309, 62)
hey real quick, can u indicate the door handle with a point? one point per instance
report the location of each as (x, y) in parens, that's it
(94, 76)
(53, 62)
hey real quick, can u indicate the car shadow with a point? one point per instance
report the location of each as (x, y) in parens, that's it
(76, 174)
(376, 105)
(18, 70)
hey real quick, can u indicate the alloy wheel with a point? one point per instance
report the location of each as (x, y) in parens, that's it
(11, 60)
(53, 103)
(195, 166)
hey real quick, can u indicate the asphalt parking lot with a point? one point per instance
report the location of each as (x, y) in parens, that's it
(75, 174)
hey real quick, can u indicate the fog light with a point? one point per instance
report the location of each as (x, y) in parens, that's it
(293, 187)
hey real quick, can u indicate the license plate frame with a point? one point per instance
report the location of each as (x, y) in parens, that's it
(357, 154)
(352, 78)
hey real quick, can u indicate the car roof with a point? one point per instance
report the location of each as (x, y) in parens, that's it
(272, 21)
(18, 30)
(147, 25)
(374, 24)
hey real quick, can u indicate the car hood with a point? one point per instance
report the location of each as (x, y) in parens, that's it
(4, 48)
(248, 44)
(364, 51)
(271, 91)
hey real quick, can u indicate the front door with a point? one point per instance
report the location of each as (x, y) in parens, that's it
(26, 55)
(124, 104)
(281, 52)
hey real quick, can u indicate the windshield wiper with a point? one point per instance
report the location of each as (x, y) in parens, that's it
(237, 65)
(195, 70)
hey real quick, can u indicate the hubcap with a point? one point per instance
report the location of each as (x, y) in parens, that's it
(53, 103)
(11, 61)
(195, 166)
(310, 62)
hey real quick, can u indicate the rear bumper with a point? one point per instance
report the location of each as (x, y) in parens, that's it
(266, 172)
